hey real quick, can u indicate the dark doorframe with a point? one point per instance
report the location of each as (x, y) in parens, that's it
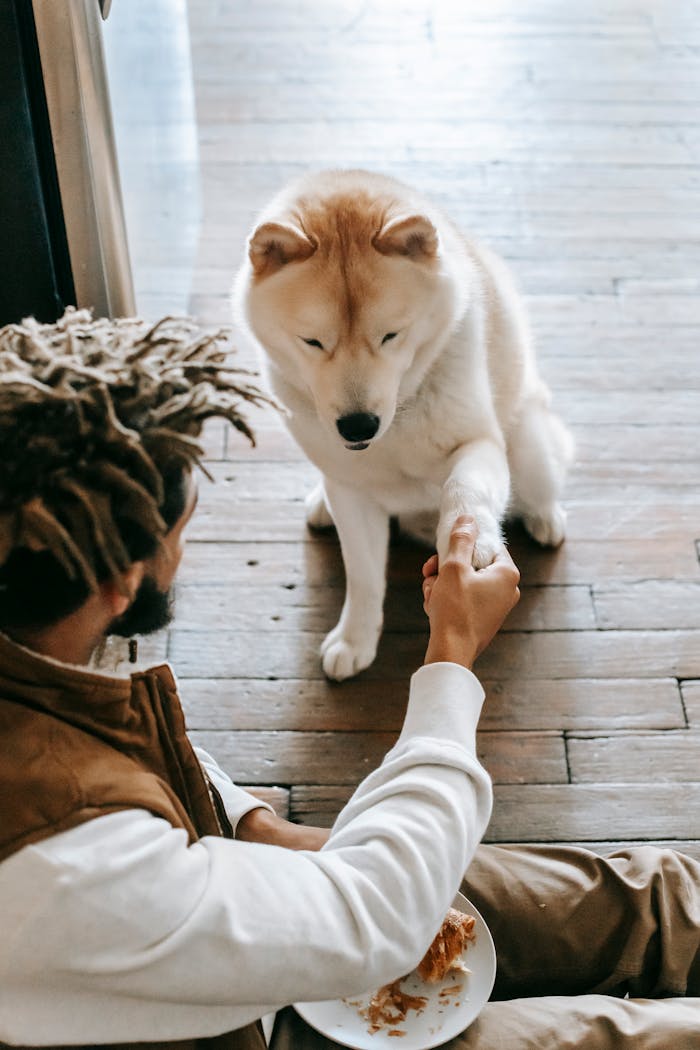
(62, 230)
(35, 268)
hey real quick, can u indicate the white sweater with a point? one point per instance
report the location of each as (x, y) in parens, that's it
(118, 931)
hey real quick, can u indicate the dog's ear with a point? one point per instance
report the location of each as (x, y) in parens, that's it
(274, 244)
(411, 235)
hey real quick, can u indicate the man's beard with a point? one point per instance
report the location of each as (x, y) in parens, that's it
(150, 610)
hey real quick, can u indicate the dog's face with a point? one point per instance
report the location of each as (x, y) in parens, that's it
(352, 306)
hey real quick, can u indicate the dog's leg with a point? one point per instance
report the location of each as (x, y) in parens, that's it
(477, 484)
(318, 515)
(363, 530)
(540, 450)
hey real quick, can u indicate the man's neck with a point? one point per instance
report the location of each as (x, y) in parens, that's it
(71, 640)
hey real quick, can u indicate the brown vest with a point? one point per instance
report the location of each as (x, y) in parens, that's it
(76, 745)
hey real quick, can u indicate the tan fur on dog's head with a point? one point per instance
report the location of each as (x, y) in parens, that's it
(343, 287)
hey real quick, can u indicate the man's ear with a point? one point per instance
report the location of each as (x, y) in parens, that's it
(274, 244)
(120, 591)
(411, 235)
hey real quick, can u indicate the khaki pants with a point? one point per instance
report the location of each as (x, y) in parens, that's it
(592, 952)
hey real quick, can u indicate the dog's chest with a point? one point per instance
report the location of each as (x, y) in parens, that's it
(401, 474)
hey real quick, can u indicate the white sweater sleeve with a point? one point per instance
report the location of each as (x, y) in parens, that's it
(118, 931)
(237, 801)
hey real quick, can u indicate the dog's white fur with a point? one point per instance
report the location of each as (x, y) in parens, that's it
(345, 260)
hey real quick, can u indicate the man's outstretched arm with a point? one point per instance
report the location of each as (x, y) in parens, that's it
(465, 611)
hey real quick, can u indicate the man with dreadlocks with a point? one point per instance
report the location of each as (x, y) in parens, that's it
(146, 900)
(131, 914)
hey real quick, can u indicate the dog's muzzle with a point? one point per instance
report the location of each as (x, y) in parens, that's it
(358, 429)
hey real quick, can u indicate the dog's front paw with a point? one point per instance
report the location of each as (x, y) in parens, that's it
(318, 515)
(549, 528)
(489, 540)
(487, 546)
(342, 658)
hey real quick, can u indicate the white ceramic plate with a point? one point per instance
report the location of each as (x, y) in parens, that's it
(445, 1015)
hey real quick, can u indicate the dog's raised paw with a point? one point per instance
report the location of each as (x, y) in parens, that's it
(485, 550)
(342, 659)
(318, 515)
(547, 529)
(489, 541)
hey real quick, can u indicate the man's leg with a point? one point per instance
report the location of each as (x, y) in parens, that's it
(579, 1022)
(566, 921)
(582, 1022)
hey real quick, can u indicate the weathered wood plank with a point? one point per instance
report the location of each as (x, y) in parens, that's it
(650, 442)
(510, 189)
(656, 476)
(286, 757)
(529, 102)
(361, 704)
(531, 185)
(582, 703)
(574, 373)
(544, 812)
(201, 607)
(320, 564)
(488, 214)
(525, 245)
(648, 604)
(633, 515)
(554, 812)
(487, 27)
(354, 143)
(346, 758)
(296, 704)
(268, 519)
(523, 758)
(646, 441)
(608, 311)
(618, 407)
(635, 757)
(630, 441)
(249, 480)
(650, 519)
(615, 654)
(551, 654)
(240, 505)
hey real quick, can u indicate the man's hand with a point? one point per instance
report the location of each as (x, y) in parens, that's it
(466, 606)
(259, 825)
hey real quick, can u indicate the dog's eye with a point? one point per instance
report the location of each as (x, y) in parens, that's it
(388, 337)
(314, 342)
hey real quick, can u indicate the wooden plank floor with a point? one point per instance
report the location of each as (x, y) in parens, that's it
(567, 139)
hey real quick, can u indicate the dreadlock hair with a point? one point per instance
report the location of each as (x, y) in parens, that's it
(99, 422)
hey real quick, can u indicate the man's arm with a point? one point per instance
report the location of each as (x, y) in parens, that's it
(259, 825)
(119, 931)
(465, 612)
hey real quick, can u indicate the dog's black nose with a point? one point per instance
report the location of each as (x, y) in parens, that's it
(360, 426)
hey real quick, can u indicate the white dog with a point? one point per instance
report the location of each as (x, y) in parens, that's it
(402, 353)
